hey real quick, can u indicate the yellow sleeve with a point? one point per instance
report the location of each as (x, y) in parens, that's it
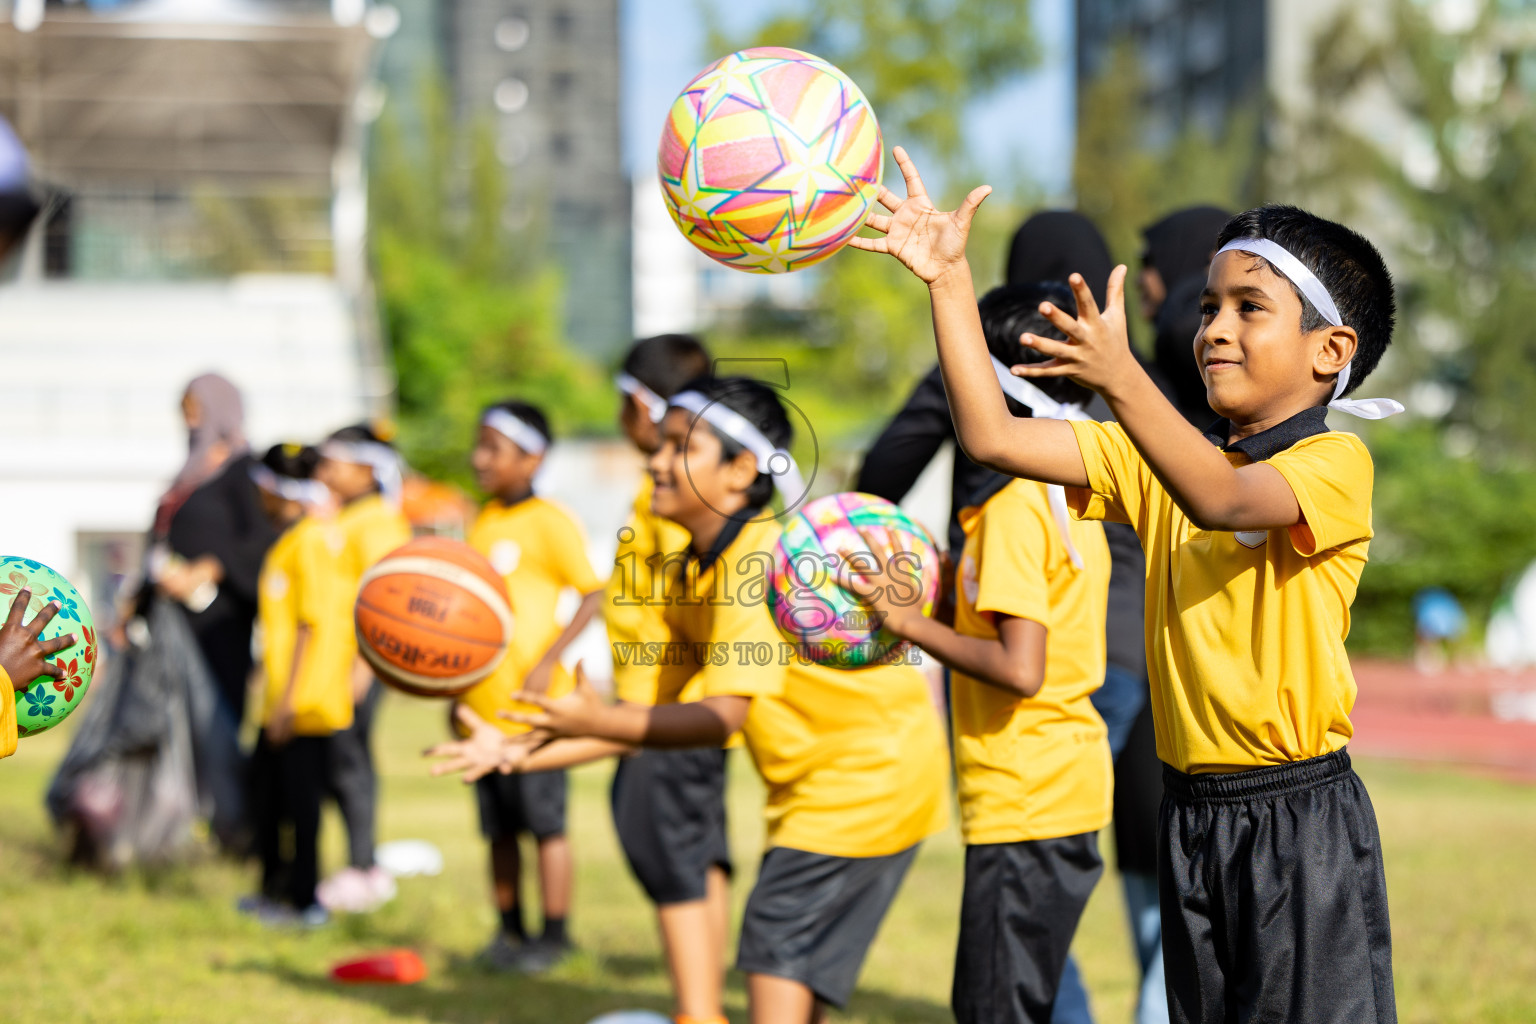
(741, 635)
(1013, 551)
(7, 716)
(1332, 476)
(1116, 474)
(314, 574)
(568, 554)
(382, 537)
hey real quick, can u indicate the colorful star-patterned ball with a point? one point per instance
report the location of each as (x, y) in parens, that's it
(770, 160)
(49, 700)
(870, 536)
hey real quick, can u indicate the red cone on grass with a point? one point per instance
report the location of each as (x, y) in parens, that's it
(395, 967)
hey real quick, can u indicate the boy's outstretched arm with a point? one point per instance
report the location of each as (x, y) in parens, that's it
(1097, 354)
(931, 244)
(709, 722)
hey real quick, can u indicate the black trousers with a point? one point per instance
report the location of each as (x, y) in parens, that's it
(1274, 902)
(353, 782)
(1019, 911)
(287, 784)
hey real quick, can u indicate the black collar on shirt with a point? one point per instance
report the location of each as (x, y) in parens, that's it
(516, 501)
(723, 539)
(1266, 444)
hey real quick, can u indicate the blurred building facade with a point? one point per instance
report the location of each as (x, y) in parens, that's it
(545, 73)
(205, 211)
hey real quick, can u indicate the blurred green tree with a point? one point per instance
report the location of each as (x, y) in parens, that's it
(469, 317)
(1433, 150)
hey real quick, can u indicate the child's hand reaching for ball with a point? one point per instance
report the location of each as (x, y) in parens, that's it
(862, 575)
(1097, 350)
(927, 241)
(482, 752)
(23, 656)
(578, 713)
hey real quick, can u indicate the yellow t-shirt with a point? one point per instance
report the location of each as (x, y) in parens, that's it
(854, 760)
(648, 546)
(7, 715)
(360, 535)
(1245, 631)
(1038, 767)
(540, 550)
(292, 592)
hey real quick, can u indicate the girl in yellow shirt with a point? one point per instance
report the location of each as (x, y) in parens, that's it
(301, 709)
(854, 761)
(365, 474)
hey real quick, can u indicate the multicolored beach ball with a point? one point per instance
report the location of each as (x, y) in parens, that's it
(829, 625)
(48, 701)
(770, 160)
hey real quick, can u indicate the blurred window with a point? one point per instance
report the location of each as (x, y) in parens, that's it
(512, 34)
(511, 95)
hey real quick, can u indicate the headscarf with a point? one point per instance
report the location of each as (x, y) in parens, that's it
(1181, 243)
(222, 420)
(1054, 244)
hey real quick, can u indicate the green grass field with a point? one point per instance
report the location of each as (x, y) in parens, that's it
(170, 947)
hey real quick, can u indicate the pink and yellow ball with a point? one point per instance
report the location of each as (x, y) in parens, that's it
(770, 160)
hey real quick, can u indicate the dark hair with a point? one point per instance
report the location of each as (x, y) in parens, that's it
(1010, 310)
(666, 362)
(1348, 266)
(292, 460)
(529, 414)
(759, 404)
(358, 432)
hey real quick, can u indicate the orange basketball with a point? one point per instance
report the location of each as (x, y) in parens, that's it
(433, 617)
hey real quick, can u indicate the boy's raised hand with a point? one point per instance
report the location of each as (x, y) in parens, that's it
(1097, 352)
(928, 241)
(23, 656)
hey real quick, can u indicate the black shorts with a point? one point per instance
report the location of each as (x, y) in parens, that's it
(513, 804)
(811, 917)
(1273, 897)
(1018, 914)
(669, 812)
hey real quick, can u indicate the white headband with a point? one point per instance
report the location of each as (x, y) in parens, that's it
(655, 405)
(381, 458)
(774, 461)
(1307, 283)
(515, 430)
(289, 488)
(1043, 406)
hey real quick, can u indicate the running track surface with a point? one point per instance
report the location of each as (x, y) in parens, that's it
(1481, 719)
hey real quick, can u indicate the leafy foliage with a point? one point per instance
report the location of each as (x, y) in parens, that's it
(470, 320)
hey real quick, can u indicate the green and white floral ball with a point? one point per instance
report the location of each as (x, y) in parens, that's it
(48, 701)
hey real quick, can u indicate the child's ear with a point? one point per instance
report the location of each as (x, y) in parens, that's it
(742, 471)
(1335, 349)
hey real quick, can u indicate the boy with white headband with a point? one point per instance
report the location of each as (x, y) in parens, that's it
(539, 549)
(854, 760)
(1273, 895)
(1032, 757)
(668, 805)
(364, 473)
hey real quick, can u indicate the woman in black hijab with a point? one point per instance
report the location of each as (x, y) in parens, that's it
(1173, 264)
(1049, 246)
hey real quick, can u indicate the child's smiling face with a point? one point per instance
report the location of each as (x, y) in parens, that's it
(1257, 363)
(502, 469)
(692, 478)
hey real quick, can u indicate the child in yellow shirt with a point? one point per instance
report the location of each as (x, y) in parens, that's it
(540, 550)
(1032, 756)
(1273, 895)
(668, 805)
(854, 760)
(302, 708)
(364, 473)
